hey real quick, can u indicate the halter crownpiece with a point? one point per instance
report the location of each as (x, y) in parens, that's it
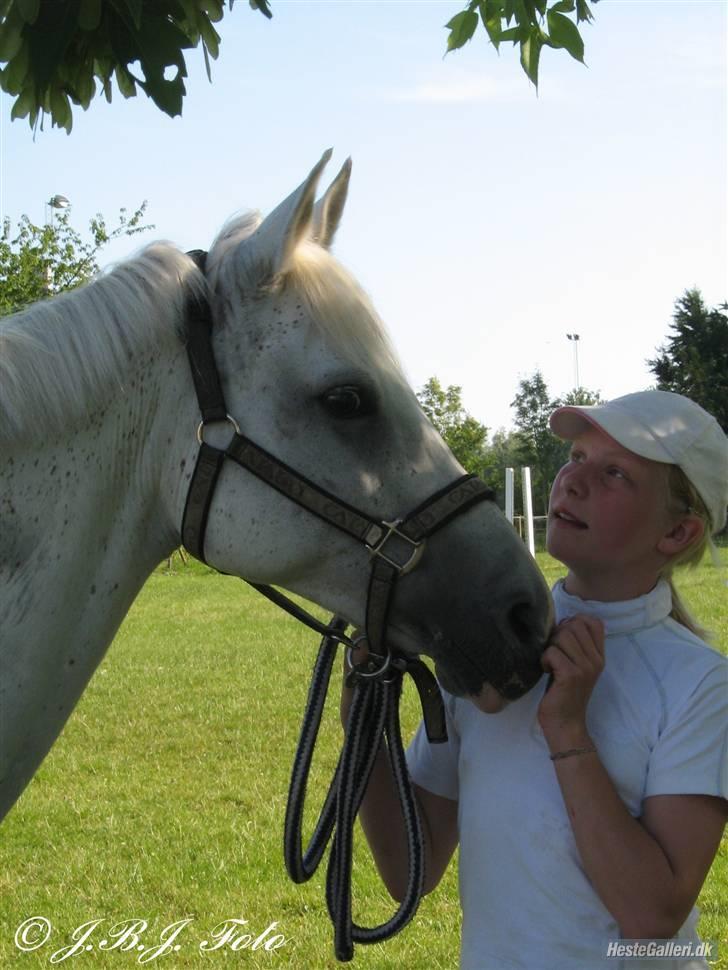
(396, 547)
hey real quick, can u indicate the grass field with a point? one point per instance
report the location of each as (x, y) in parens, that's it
(164, 798)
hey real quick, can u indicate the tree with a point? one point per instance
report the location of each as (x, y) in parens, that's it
(55, 52)
(462, 433)
(502, 452)
(41, 261)
(694, 361)
(538, 447)
(579, 396)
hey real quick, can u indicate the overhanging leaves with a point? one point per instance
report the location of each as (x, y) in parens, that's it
(462, 27)
(530, 23)
(55, 51)
(564, 33)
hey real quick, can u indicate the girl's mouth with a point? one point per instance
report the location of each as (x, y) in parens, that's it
(570, 520)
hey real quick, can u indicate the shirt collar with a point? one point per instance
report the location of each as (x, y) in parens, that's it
(626, 616)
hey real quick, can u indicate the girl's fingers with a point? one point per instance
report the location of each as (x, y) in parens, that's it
(555, 661)
(569, 656)
(582, 638)
(592, 630)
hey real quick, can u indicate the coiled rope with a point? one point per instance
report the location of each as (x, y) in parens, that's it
(373, 721)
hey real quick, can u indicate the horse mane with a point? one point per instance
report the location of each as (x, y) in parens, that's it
(65, 358)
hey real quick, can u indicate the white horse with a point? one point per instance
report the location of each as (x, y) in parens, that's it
(97, 437)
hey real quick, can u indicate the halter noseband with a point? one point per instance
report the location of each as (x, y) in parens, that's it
(396, 547)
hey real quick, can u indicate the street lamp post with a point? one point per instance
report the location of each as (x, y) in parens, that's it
(574, 339)
(56, 202)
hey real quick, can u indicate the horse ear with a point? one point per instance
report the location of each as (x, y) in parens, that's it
(329, 208)
(272, 244)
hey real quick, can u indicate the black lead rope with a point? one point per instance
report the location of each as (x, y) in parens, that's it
(373, 720)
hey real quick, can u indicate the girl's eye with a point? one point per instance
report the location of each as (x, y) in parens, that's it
(616, 473)
(348, 401)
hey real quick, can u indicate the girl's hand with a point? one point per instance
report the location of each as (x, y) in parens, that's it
(575, 659)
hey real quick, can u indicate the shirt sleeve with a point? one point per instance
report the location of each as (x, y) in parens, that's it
(691, 753)
(435, 766)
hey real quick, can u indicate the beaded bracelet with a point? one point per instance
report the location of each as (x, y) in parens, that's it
(572, 751)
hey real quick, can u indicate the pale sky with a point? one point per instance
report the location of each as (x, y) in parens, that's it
(485, 221)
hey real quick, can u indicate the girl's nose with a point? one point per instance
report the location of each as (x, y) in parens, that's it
(574, 479)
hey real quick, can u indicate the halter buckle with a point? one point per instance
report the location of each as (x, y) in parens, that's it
(375, 541)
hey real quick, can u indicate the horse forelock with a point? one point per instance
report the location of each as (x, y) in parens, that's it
(341, 309)
(62, 359)
(223, 270)
(337, 304)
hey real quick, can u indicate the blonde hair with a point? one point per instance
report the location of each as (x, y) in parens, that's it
(683, 498)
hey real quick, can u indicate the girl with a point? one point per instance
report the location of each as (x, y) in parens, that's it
(589, 811)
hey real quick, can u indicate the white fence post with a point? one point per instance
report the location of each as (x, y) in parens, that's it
(528, 509)
(509, 495)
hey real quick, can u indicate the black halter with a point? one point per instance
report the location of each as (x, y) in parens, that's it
(396, 547)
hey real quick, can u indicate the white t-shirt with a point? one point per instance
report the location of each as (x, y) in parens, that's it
(658, 716)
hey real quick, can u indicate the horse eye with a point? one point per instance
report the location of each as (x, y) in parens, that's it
(347, 402)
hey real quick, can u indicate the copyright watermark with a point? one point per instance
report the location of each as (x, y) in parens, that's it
(138, 937)
(662, 949)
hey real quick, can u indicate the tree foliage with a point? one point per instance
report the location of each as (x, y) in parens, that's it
(40, 261)
(532, 24)
(502, 452)
(531, 443)
(579, 396)
(462, 433)
(59, 53)
(694, 360)
(56, 52)
(538, 448)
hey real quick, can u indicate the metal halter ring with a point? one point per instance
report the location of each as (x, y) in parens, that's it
(367, 675)
(228, 417)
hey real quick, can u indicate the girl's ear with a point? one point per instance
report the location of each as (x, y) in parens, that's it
(687, 531)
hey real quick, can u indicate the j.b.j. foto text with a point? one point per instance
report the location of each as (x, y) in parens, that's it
(138, 936)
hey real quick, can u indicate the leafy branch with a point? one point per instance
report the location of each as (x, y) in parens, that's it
(55, 52)
(530, 23)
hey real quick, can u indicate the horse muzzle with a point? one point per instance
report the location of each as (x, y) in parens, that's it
(484, 619)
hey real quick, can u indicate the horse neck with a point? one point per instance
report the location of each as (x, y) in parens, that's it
(81, 527)
(82, 512)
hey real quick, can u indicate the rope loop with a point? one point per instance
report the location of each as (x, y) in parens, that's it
(373, 721)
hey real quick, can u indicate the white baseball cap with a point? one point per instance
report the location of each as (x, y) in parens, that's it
(665, 427)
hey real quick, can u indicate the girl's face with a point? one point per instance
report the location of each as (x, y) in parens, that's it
(607, 517)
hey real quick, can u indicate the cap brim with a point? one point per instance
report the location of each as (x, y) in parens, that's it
(570, 421)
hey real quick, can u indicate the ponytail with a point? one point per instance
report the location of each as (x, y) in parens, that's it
(683, 498)
(682, 615)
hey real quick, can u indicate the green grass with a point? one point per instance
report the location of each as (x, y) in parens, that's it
(164, 798)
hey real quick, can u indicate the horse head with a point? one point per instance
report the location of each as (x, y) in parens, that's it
(309, 374)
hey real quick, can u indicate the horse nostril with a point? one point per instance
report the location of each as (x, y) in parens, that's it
(522, 622)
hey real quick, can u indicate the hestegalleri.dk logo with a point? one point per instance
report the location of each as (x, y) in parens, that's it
(140, 938)
(662, 949)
